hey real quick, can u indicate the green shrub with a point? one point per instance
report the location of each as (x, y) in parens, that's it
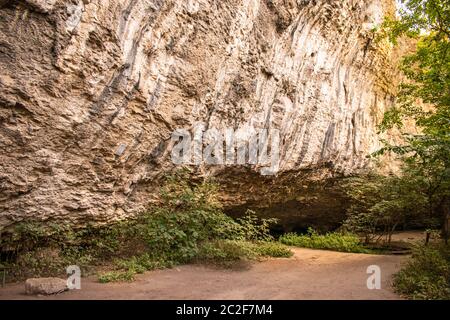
(426, 276)
(126, 269)
(116, 276)
(330, 241)
(176, 235)
(227, 252)
(273, 249)
(142, 263)
(254, 228)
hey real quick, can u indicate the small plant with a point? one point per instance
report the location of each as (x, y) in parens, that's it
(228, 252)
(330, 241)
(116, 276)
(273, 249)
(254, 228)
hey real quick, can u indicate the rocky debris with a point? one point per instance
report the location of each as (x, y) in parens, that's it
(45, 286)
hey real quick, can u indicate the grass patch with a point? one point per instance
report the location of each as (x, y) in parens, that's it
(116, 276)
(273, 249)
(330, 241)
(426, 276)
(230, 251)
(226, 253)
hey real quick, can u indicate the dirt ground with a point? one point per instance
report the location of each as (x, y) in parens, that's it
(309, 274)
(409, 236)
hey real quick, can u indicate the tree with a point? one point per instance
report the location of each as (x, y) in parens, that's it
(380, 204)
(424, 99)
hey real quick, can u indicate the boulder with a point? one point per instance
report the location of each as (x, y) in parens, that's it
(45, 286)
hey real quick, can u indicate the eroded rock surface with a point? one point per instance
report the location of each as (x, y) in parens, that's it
(90, 92)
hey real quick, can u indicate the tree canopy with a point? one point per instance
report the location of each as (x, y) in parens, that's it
(424, 101)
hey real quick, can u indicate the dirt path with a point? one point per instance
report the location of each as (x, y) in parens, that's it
(310, 274)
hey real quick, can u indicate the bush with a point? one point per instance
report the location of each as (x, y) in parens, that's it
(379, 204)
(191, 217)
(254, 229)
(273, 249)
(426, 276)
(33, 249)
(197, 235)
(226, 252)
(116, 276)
(329, 241)
(229, 251)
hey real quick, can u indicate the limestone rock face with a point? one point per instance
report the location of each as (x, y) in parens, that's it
(91, 91)
(45, 286)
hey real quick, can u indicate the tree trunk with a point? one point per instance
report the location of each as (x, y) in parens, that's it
(444, 209)
(446, 226)
(391, 232)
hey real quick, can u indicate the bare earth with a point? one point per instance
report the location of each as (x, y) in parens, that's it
(310, 274)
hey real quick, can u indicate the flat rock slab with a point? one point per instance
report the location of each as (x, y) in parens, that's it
(45, 286)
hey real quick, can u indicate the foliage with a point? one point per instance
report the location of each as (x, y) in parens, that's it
(116, 276)
(427, 274)
(190, 216)
(126, 269)
(417, 17)
(424, 100)
(226, 252)
(273, 249)
(187, 226)
(330, 241)
(190, 226)
(255, 229)
(34, 249)
(380, 203)
(223, 253)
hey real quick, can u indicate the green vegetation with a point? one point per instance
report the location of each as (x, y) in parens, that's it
(380, 204)
(188, 226)
(426, 275)
(116, 276)
(331, 241)
(422, 188)
(273, 249)
(33, 249)
(424, 100)
(223, 253)
(226, 253)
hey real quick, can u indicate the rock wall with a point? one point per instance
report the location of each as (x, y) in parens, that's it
(91, 90)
